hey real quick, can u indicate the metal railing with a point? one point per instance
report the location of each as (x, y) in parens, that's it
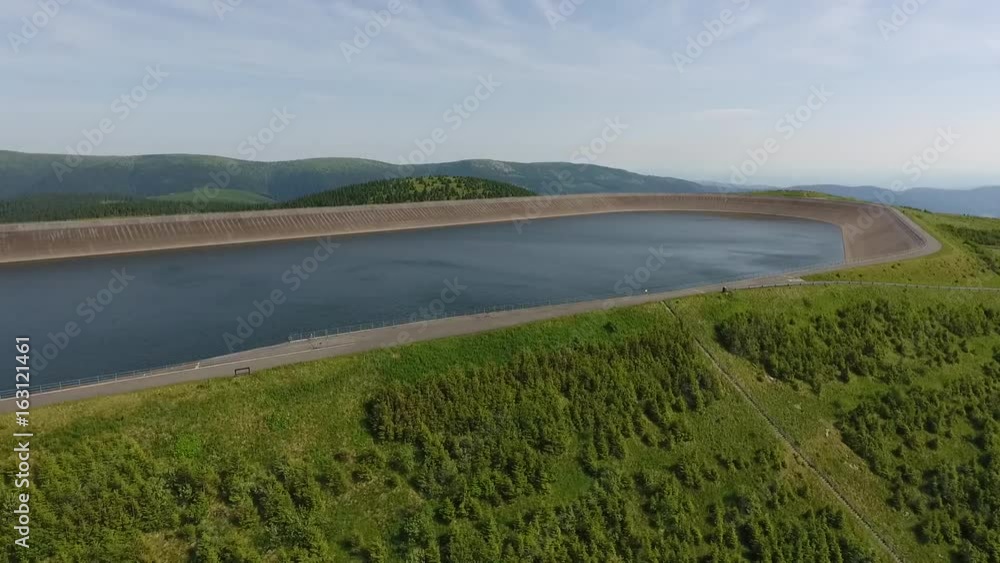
(356, 328)
(468, 312)
(325, 333)
(84, 381)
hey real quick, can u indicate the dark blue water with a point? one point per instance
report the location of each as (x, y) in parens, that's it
(103, 315)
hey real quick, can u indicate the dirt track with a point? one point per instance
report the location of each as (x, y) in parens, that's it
(872, 232)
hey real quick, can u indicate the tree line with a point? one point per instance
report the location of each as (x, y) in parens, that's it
(937, 448)
(479, 440)
(67, 207)
(70, 207)
(408, 190)
(984, 243)
(892, 341)
(482, 454)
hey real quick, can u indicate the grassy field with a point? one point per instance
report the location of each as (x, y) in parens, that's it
(957, 264)
(799, 194)
(601, 437)
(930, 361)
(605, 436)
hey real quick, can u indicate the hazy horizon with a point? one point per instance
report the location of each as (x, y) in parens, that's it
(850, 92)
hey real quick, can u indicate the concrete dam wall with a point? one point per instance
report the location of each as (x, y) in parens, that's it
(872, 233)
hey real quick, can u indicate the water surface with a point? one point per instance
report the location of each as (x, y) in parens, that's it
(195, 304)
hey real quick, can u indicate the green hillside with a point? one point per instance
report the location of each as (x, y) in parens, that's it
(597, 438)
(66, 207)
(832, 424)
(221, 196)
(63, 207)
(968, 257)
(800, 194)
(406, 190)
(27, 174)
(892, 392)
(24, 174)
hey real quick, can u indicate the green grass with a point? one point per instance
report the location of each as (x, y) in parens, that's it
(159, 475)
(289, 463)
(800, 194)
(955, 264)
(814, 419)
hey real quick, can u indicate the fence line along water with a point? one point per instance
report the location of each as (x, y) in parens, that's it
(347, 329)
(319, 334)
(466, 312)
(362, 327)
(94, 380)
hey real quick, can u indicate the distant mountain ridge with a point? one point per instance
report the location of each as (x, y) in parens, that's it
(23, 174)
(984, 202)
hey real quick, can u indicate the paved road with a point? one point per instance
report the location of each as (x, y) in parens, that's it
(307, 350)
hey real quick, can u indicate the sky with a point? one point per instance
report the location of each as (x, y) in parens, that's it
(891, 93)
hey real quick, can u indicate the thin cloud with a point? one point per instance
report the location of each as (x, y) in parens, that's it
(726, 114)
(605, 60)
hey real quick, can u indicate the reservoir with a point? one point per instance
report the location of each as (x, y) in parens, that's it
(104, 315)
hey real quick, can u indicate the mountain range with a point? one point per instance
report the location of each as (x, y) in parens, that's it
(26, 174)
(983, 201)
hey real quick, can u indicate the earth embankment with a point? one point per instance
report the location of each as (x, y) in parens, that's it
(872, 233)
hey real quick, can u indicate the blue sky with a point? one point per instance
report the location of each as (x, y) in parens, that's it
(560, 71)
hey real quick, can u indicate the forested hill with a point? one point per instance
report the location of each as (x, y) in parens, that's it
(24, 174)
(65, 207)
(406, 190)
